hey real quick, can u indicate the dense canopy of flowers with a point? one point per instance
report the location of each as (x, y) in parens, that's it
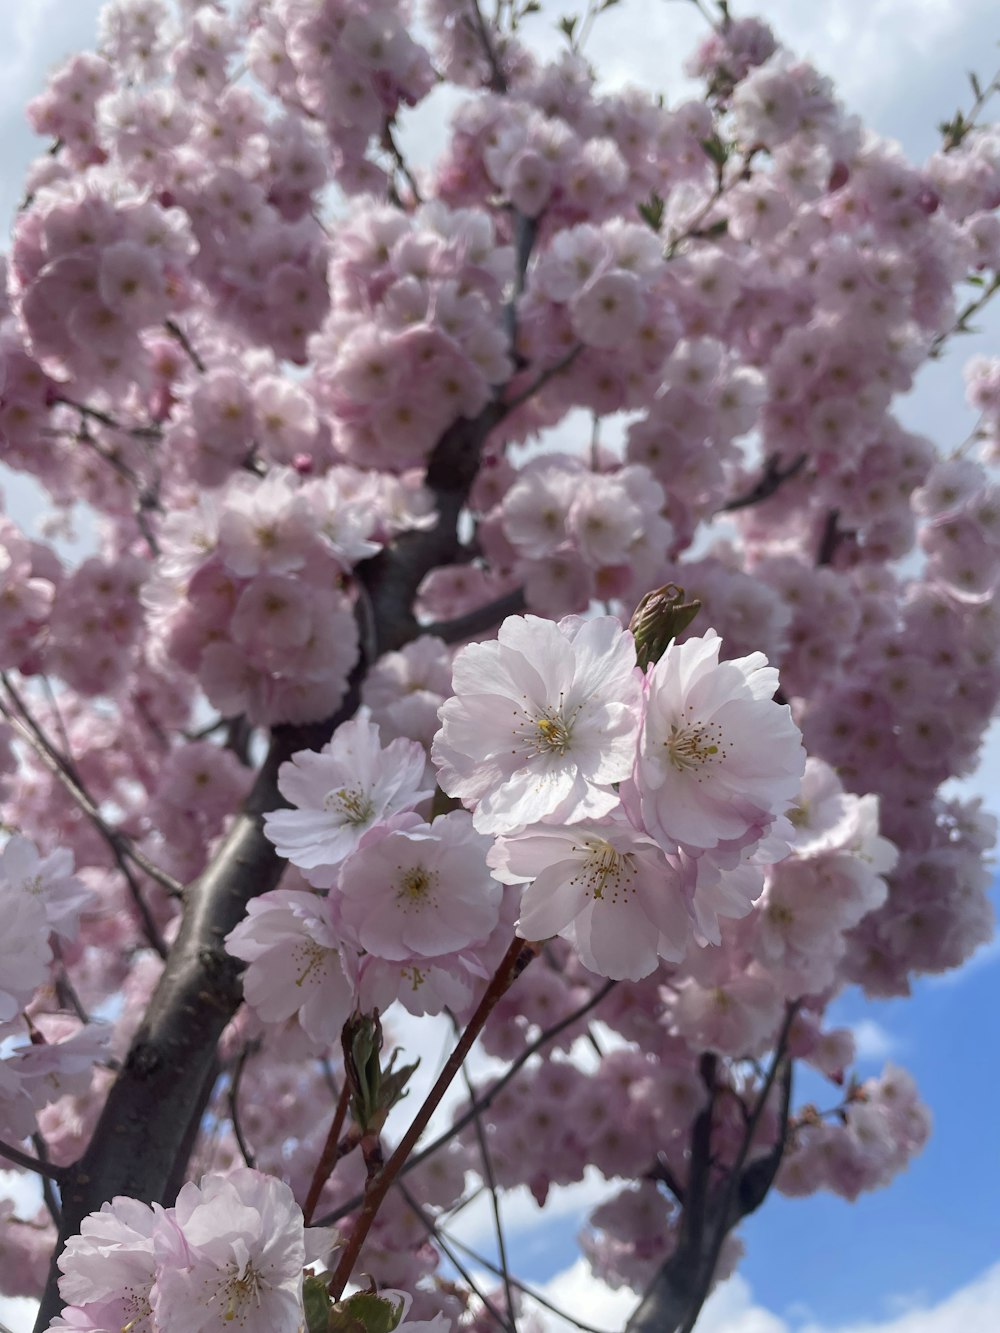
(348, 710)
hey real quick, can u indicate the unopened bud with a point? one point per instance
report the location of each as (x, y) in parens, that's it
(658, 619)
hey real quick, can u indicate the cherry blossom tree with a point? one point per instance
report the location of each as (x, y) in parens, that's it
(509, 600)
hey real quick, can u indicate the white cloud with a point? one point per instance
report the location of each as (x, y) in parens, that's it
(974, 1308)
(872, 1041)
(17, 1314)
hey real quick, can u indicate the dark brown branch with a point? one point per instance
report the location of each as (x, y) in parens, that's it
(498, 80)
(249, 1048)
(726, 1210)
(36, 1164)
(49, 1196)
(668, 1297)
(772, 478)
(329, 1156)
(445, 1244)
(478, 621)
(140, 1145)
(830, 539)
(175, 331)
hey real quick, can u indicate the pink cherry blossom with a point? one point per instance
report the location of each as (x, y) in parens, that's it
(340, 794)
(543, 722)
(604, 887)
(422, 890)
(718, 760)
(295, 963)
(238, 1257)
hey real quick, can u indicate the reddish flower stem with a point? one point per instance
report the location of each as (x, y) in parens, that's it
(329, 1156)
(513, 963)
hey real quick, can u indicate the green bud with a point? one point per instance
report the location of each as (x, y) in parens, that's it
(658, 619)
(374, 1090)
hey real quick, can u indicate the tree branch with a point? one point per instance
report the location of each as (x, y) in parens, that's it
(140, 1145)
(24, 1159)
(479, 620)
(773, 476)
(489, 1176)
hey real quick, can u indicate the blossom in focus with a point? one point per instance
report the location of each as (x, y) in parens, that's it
(542, 723)
(341, 793)
(295, 963)
(108, 1269)
(603, 886)
(423, 890)
(231, 1256)
(718, 759)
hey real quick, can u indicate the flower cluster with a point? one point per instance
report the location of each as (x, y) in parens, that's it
(41, 903)
(631, 807)
(413, 340)
(410, 908)
(229, 1253)
(250, 594)
(584, 344)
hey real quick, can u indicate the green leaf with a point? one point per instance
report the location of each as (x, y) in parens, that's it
(318, 1304)
(365, 1312)
(715, 149)
(567, 26)
(651, 212)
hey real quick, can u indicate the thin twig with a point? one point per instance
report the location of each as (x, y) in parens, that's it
(486, 1100)
(67, 773)
(115, 842)
(489, 1175)
(112, 423)
(557, 368)
(445, 1244)
(498, 80)
(392, 148)
(36, 1164)
(961, 324)
(328, 1157)
(175, 331)
(249, 1048)
(530, 1292)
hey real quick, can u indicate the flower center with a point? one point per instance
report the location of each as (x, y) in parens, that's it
(691, 748)
(242, 1288)
(554, 735)
(355, 806)
(607, 870)
(312, 956)
(415, 883)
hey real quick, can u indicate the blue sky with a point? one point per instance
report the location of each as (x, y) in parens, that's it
(921, 1256)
